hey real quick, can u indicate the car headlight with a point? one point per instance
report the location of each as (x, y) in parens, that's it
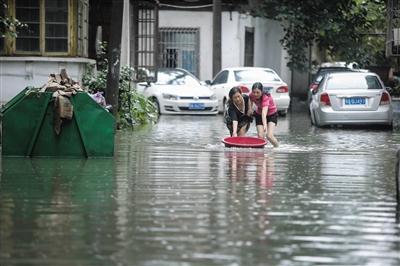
(169, 96)
(213, 96)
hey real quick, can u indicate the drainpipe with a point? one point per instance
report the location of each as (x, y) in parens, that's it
(216, 36)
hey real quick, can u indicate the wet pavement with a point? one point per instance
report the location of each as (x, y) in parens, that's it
(174, 195)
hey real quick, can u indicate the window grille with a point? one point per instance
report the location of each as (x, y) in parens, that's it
(144, 39)
(50, 27)
(28, 12)
(56, 26)
(179, 47)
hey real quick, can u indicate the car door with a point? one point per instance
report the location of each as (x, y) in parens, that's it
(219, 86)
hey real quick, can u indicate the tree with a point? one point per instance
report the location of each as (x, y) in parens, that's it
(340, 28)
(114, 53)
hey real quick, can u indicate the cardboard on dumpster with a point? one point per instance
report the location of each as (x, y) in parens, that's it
(61, 82)
(63, 87)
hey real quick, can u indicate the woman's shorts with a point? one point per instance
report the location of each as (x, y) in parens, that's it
(242, 123)
(270, 118)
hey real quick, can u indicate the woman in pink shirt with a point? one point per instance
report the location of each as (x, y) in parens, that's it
(266, 113)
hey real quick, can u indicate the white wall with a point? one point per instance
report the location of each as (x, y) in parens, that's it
(198, 19)
(268, 52)
(17, 73)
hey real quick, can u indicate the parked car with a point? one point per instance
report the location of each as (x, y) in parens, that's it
(177, 91)
(319, 76)
(245, 77)
(355, 98)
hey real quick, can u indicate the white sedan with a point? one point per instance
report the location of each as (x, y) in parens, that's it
(351, 98)
(245, 77)
(177, 91)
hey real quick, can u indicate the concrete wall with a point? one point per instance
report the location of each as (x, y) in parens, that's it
(16, 73)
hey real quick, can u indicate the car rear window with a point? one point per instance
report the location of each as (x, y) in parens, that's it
(255, 75)
(344, 82)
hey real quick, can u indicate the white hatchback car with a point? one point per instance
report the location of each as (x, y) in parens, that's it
(177, 91)
(351, 98)
(245, 77)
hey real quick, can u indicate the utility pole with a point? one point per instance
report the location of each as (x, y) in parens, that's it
(114, 54)
(216, 36)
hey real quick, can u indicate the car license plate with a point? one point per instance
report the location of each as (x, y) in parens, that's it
(196, 106)
(354, 101)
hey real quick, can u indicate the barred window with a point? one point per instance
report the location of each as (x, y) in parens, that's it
(48, 23)
(179, 47)
(56, 20)
(28, 12)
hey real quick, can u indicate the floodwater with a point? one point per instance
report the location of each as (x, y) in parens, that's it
(174, 195)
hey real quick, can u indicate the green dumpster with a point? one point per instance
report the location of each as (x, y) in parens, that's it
(28, 127)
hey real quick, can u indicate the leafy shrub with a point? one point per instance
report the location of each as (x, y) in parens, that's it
(134, 108)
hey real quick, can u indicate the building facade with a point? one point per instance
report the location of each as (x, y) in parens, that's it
(65, 33)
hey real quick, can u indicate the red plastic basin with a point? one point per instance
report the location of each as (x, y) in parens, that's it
(244, 142)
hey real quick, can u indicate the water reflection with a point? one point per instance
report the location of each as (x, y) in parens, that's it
(44, 202)
(174, 195)
(241, 165)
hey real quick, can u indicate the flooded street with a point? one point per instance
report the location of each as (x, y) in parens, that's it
(174, 195)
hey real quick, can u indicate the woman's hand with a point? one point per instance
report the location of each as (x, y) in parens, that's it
(265, 128)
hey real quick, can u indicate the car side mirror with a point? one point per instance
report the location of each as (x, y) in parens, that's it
(208, 82)
(141, 86)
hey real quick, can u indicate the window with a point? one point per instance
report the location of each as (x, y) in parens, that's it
(50, 24)
(179, 47)
(221, 78)
(256, 75)
(28, 12)
(56, 26)
(176, 77)
(346, 82)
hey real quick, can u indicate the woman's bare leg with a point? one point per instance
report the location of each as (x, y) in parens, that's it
(242, 132)
(260, 132)
(270, 134)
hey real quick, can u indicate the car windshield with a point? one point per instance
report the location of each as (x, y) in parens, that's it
(344, 82)
(175, 77)
(255, 75)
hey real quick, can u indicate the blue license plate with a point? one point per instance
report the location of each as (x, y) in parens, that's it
(196, 106)
(354, 101)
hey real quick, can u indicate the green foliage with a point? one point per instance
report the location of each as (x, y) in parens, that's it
(9, 26)
(133, 107)
(345, 30)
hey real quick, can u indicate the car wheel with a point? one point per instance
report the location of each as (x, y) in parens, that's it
(156, 104)
(224, 106)
(282, 112)
(316, 122)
